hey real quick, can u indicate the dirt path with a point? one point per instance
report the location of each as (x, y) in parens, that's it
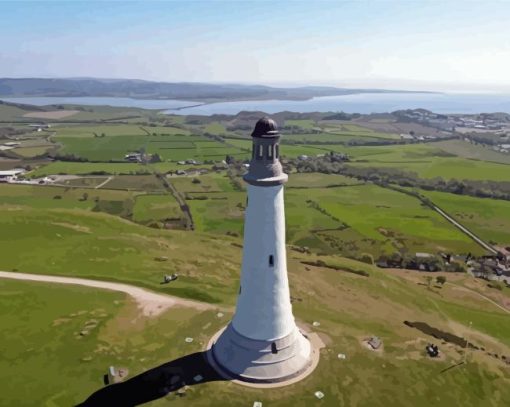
(150, 303)
(104, 183)
(459, 287)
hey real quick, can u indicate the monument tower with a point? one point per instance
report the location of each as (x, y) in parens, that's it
(262, 343)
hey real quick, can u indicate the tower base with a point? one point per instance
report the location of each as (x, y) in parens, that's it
(258, 361)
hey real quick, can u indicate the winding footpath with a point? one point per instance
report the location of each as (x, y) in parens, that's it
(459, 287)
(150, 303)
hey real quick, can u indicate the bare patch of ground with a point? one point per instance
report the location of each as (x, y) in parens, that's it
(78, 228)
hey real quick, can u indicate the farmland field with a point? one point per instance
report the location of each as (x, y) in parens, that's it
(212, 182)
(341, 219)
(447, 168)
(135, 182)
(314, 180)
(28, 152)
(489, 218)
(156, 207)
(52, 197)
(169, 146)
(84, 168)
(91, 182)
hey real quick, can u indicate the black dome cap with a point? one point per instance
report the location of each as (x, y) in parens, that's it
(265, 127)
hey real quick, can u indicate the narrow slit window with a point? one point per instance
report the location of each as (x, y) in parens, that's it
(239, 290)
(276, 151)
(270, 151)
(274, 349)
(261, 152)
(271, 260)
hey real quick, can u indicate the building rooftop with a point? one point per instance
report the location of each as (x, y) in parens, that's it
(11, 172)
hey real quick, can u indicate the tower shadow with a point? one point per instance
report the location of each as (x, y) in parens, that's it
(155, 383)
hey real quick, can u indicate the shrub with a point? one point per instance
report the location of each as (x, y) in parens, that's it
(366, 258)
(441, 279)
(498, 285)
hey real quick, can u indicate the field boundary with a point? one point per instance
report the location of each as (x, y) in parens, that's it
(444, 214)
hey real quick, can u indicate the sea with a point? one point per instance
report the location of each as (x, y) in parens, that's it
(463, 103)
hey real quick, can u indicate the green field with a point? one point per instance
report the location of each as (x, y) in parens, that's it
(336, 216)
(135, 183)
(315, 180)
(212, 182)
(303, 123)
(168, 147)
(29, 152)
(370, 219)
(90, 182)
(218, 212)
(58, 366)
(476, 152)
(79, 168)
(49, 197)
(448, 168)
(69, 336)
(429, 160)
(114, 130)
(488, 218)
(133, 205)
(156, 207)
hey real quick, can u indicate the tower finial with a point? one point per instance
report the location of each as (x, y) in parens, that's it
(265, 166)
(265, 127)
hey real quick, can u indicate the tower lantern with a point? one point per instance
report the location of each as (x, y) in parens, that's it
(262, 343)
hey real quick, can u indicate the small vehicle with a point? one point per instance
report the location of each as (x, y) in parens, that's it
(168, 278)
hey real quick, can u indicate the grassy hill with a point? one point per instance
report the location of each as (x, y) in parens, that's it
(96, 225)
(66, 367)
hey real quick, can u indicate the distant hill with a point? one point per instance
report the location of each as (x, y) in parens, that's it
(19, 87)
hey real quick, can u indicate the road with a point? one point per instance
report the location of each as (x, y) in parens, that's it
(150, 303)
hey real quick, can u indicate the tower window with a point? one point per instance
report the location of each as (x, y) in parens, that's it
(269, 151)
(260, 152)
(276, 151)
(271, 260)
(274, 349)
(239, 290)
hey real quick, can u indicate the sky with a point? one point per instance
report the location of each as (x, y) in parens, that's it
(423, 45)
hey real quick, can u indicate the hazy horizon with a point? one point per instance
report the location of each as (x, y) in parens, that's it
(448, 46)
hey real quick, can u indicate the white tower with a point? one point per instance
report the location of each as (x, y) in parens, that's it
(262, 342)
